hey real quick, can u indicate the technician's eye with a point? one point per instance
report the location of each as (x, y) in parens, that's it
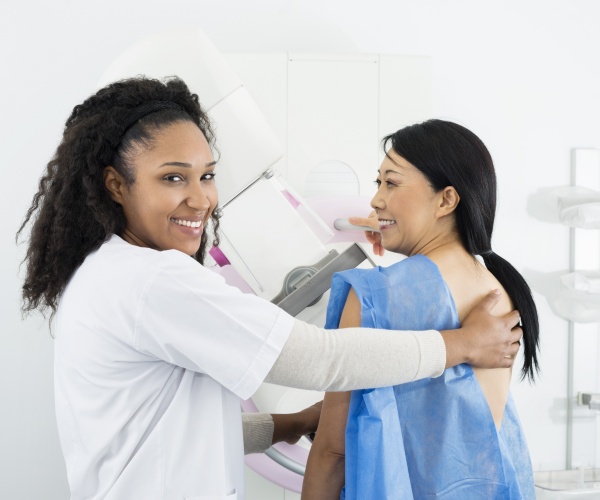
(377, 182)
(174, 178)
(209, 177)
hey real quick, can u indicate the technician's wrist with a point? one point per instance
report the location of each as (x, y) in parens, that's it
(304, 422)
(286, 426)
(457, 349)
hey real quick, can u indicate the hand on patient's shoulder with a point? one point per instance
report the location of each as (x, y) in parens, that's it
(484, 340)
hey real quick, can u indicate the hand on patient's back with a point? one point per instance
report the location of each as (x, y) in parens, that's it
(493, 341)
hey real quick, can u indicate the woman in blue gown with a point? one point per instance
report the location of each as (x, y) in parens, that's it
(457, 436)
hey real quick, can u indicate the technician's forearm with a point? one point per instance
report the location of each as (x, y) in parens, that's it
(261, 430)
(356, 358)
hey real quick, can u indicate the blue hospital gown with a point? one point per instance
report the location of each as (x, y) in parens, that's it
(433, 438)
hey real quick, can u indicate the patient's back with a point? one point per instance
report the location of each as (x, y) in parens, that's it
(469, 281)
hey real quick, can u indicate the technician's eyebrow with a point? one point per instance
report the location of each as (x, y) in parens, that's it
(186, 165)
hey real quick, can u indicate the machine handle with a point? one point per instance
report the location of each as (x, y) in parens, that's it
(344, 225)
(284, 461)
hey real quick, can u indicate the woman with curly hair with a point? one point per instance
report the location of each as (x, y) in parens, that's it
(154, 351)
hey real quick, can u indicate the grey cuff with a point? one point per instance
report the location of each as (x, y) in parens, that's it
(433, 354)
(258, 432)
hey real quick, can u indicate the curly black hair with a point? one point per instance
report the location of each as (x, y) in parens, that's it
(72, 213)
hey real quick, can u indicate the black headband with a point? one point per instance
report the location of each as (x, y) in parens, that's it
(146, 109)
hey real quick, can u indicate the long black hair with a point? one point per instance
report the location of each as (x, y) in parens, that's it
(448, 154)
(72, 213)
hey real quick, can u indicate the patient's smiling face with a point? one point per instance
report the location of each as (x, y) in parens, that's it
(406, 206)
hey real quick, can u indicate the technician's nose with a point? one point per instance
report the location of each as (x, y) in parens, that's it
(197, 197)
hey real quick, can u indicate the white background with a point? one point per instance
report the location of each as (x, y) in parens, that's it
(524, 75)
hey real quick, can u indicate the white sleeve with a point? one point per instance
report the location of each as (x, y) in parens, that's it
(356, 358)
(190, 317)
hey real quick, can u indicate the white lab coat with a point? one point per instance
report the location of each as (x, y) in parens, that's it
(153, 352)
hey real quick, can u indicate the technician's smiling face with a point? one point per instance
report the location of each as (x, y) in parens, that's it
(173, 194)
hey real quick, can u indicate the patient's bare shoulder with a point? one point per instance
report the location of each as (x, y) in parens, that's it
(352, 312)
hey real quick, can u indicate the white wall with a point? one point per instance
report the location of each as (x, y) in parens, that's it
(524, 75)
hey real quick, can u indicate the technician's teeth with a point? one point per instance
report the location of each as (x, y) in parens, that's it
(187, 223)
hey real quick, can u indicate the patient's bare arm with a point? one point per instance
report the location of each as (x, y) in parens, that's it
(325, 469)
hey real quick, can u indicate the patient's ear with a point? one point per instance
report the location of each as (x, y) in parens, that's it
(114, 184)
(448, 201)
